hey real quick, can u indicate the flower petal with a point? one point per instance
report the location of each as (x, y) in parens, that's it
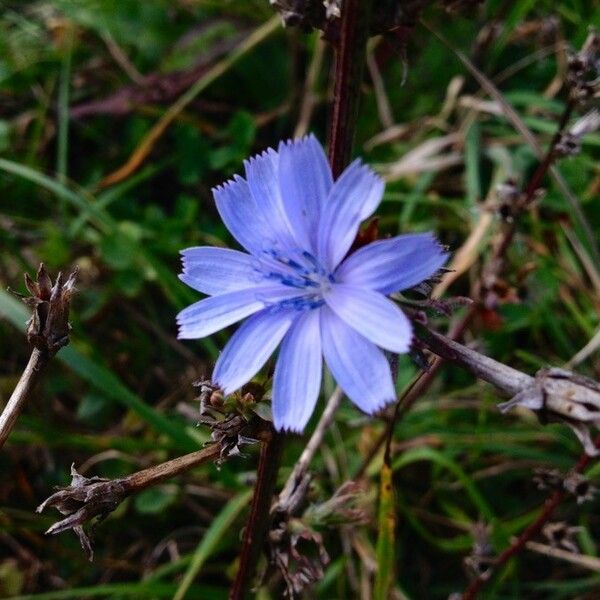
(353, 197)
(262, 173)
(297, 379)
(217, 270)
(373, 315)
(239, 212)
(392, 265)
(305, 180)
(250, 347)
(211, 314)
(358, 366)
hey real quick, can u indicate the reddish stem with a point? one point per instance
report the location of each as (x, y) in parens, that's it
(349, 68)
(528, 533)
(258, 520)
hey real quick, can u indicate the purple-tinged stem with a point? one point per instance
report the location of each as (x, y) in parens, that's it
(349, 67)
(351, 56)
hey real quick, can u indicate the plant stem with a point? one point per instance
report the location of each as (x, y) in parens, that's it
(29, 379)
(350, 61)
(258, 521)
(139, 481)
(289, 498)
(505, 378)
(348, 76)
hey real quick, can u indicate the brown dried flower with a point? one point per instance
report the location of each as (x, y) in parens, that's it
(481, 560)
(561, 535)
(232, 419)
(48, 328)
(85, 499)
(570, 141)
(579, 485)
(583, 75)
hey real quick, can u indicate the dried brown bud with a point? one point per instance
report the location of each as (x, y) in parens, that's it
(574, 483)
(48, 328)
(561, 535)
(301, 13)
(583, 76)
(569, 143)
(386, 16)
(85, 499)
(579, 485)
(548, 479)
(481, 560)
(558, 395)
(231, 428)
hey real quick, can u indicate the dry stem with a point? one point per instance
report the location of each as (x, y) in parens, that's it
(29, 379)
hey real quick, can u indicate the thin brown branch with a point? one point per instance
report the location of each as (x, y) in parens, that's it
(505, 378)
(546, 158)
(141, 480)
(32, 374)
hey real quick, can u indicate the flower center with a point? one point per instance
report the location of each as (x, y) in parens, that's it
(296, 269)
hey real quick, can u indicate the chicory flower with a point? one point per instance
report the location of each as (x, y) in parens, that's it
(296, 285)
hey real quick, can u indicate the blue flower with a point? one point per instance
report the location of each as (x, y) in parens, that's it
(298, 287)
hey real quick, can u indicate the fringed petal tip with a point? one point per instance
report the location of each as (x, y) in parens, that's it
(289, 429)
(309, 138)
(377, 408)
(226, 186)
(267, 154)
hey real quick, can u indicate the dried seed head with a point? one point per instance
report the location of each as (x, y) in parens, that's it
(579, 485)
(570, 141)
(583, 75)
(84, 500)
(561, 535)
(509, 199)
(548, 479)
(332, 9)
(48, 328)
(481, 560)
(229, 420)
(574, 483)
(305, 14)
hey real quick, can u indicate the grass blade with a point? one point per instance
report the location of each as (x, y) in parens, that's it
(221, 523)
(386, 524)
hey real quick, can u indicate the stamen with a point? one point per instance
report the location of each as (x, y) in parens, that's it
(296, 269)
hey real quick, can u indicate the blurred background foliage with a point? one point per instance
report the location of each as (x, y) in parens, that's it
(81, 83)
